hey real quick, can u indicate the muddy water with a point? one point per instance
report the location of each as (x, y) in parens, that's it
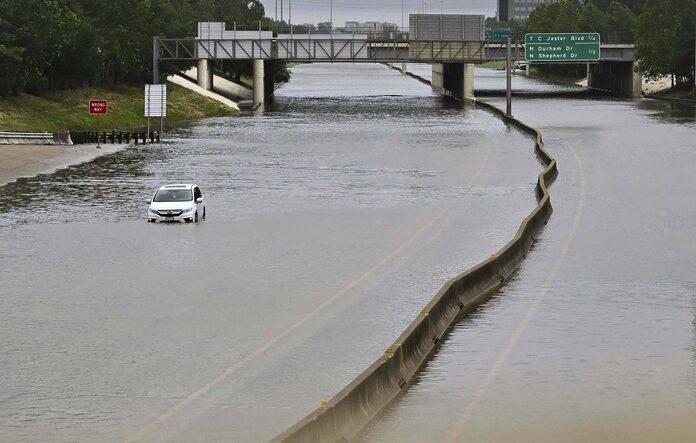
(332, 219)
(595, 337)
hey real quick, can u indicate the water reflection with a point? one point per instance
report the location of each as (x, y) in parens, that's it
(668, 111)
(99, 189)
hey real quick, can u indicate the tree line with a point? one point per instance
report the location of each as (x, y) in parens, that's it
(57, 44)
(663, 31)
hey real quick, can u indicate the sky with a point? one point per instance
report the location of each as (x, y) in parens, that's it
(314, 11)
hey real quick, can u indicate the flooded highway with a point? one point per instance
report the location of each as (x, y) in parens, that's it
(332, 219)
(594, 339)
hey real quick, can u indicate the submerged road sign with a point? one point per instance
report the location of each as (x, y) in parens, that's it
(562, 47)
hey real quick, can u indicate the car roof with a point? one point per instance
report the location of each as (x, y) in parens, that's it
(179, 186)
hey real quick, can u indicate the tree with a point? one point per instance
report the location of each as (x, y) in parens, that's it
(665, 39)
(621, 22)
(568, 15)
(543, 17)
(591, 19)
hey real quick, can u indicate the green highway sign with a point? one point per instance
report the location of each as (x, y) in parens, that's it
(562, 47)
(498, 35)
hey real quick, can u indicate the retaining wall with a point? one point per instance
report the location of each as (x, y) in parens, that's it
(342, 417)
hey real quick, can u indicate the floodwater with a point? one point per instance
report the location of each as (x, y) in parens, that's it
(595, 337)
(493, 82)
(332, 219)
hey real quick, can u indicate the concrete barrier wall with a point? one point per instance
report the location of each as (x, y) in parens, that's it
(35, 138)
(342, 417)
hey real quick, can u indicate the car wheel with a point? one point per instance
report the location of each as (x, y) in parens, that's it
(203, 213)
(195, 217)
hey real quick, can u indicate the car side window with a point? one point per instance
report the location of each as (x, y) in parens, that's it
(197, 193)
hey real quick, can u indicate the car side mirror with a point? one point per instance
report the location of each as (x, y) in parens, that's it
(199, 200)
(149, 202)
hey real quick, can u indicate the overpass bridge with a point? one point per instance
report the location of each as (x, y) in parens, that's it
(451, 43)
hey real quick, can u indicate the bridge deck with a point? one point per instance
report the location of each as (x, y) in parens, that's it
(313, 48)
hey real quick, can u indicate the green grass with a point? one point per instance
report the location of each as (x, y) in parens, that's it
(69, 109)
(493, 65)
(684, 92)
(247, 81)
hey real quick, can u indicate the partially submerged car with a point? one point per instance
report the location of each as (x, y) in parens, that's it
(177, 203)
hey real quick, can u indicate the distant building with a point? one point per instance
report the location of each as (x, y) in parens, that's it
(370, 27)
(352, 26)
(519, 9)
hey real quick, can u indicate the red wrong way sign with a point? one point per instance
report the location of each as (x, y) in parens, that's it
(98, 107)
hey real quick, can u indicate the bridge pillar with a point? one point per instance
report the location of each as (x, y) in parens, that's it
(268, 79)
(258, 82)
(617, 78)
(438, 78)
(637, 84)
(205, 74)
(468, 85)
(456, 80)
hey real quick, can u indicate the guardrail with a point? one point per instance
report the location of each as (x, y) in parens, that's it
(34, 138)
(342, 417)
(89, 137)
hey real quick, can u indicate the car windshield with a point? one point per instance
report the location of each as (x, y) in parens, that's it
(173, 195)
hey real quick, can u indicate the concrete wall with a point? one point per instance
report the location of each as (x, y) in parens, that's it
(268, 79)
(457, 80)
(438, 80)
(617, 78)
(35, 138)
(342, 417)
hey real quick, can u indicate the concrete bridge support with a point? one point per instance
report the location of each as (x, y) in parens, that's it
(468, 85)
(259, 83)
(438, 81)
(268, 79)
(205, 74)
(454, 80)
(617, 78)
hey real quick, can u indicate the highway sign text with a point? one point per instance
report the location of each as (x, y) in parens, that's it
(562, 47)
(98, 107)
(498, 35)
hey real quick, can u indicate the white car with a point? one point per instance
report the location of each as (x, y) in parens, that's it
(177, 203)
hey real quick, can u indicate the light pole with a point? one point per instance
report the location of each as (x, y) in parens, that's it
(331, 17)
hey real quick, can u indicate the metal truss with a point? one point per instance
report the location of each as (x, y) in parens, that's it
(318, 50)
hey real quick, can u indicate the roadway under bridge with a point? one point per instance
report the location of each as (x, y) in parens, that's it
(452, 54)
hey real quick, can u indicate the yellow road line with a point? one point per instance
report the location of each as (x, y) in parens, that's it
(149, 427)
(456, 430)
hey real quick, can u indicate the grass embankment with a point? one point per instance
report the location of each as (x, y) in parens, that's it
(685, 92)
(69, 109)
(493, 65)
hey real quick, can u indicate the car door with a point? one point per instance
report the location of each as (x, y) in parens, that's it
(199, 206)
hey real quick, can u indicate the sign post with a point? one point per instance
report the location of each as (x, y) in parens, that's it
(156, 105)
(98, 107)
(562, 47)
(508, 92)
